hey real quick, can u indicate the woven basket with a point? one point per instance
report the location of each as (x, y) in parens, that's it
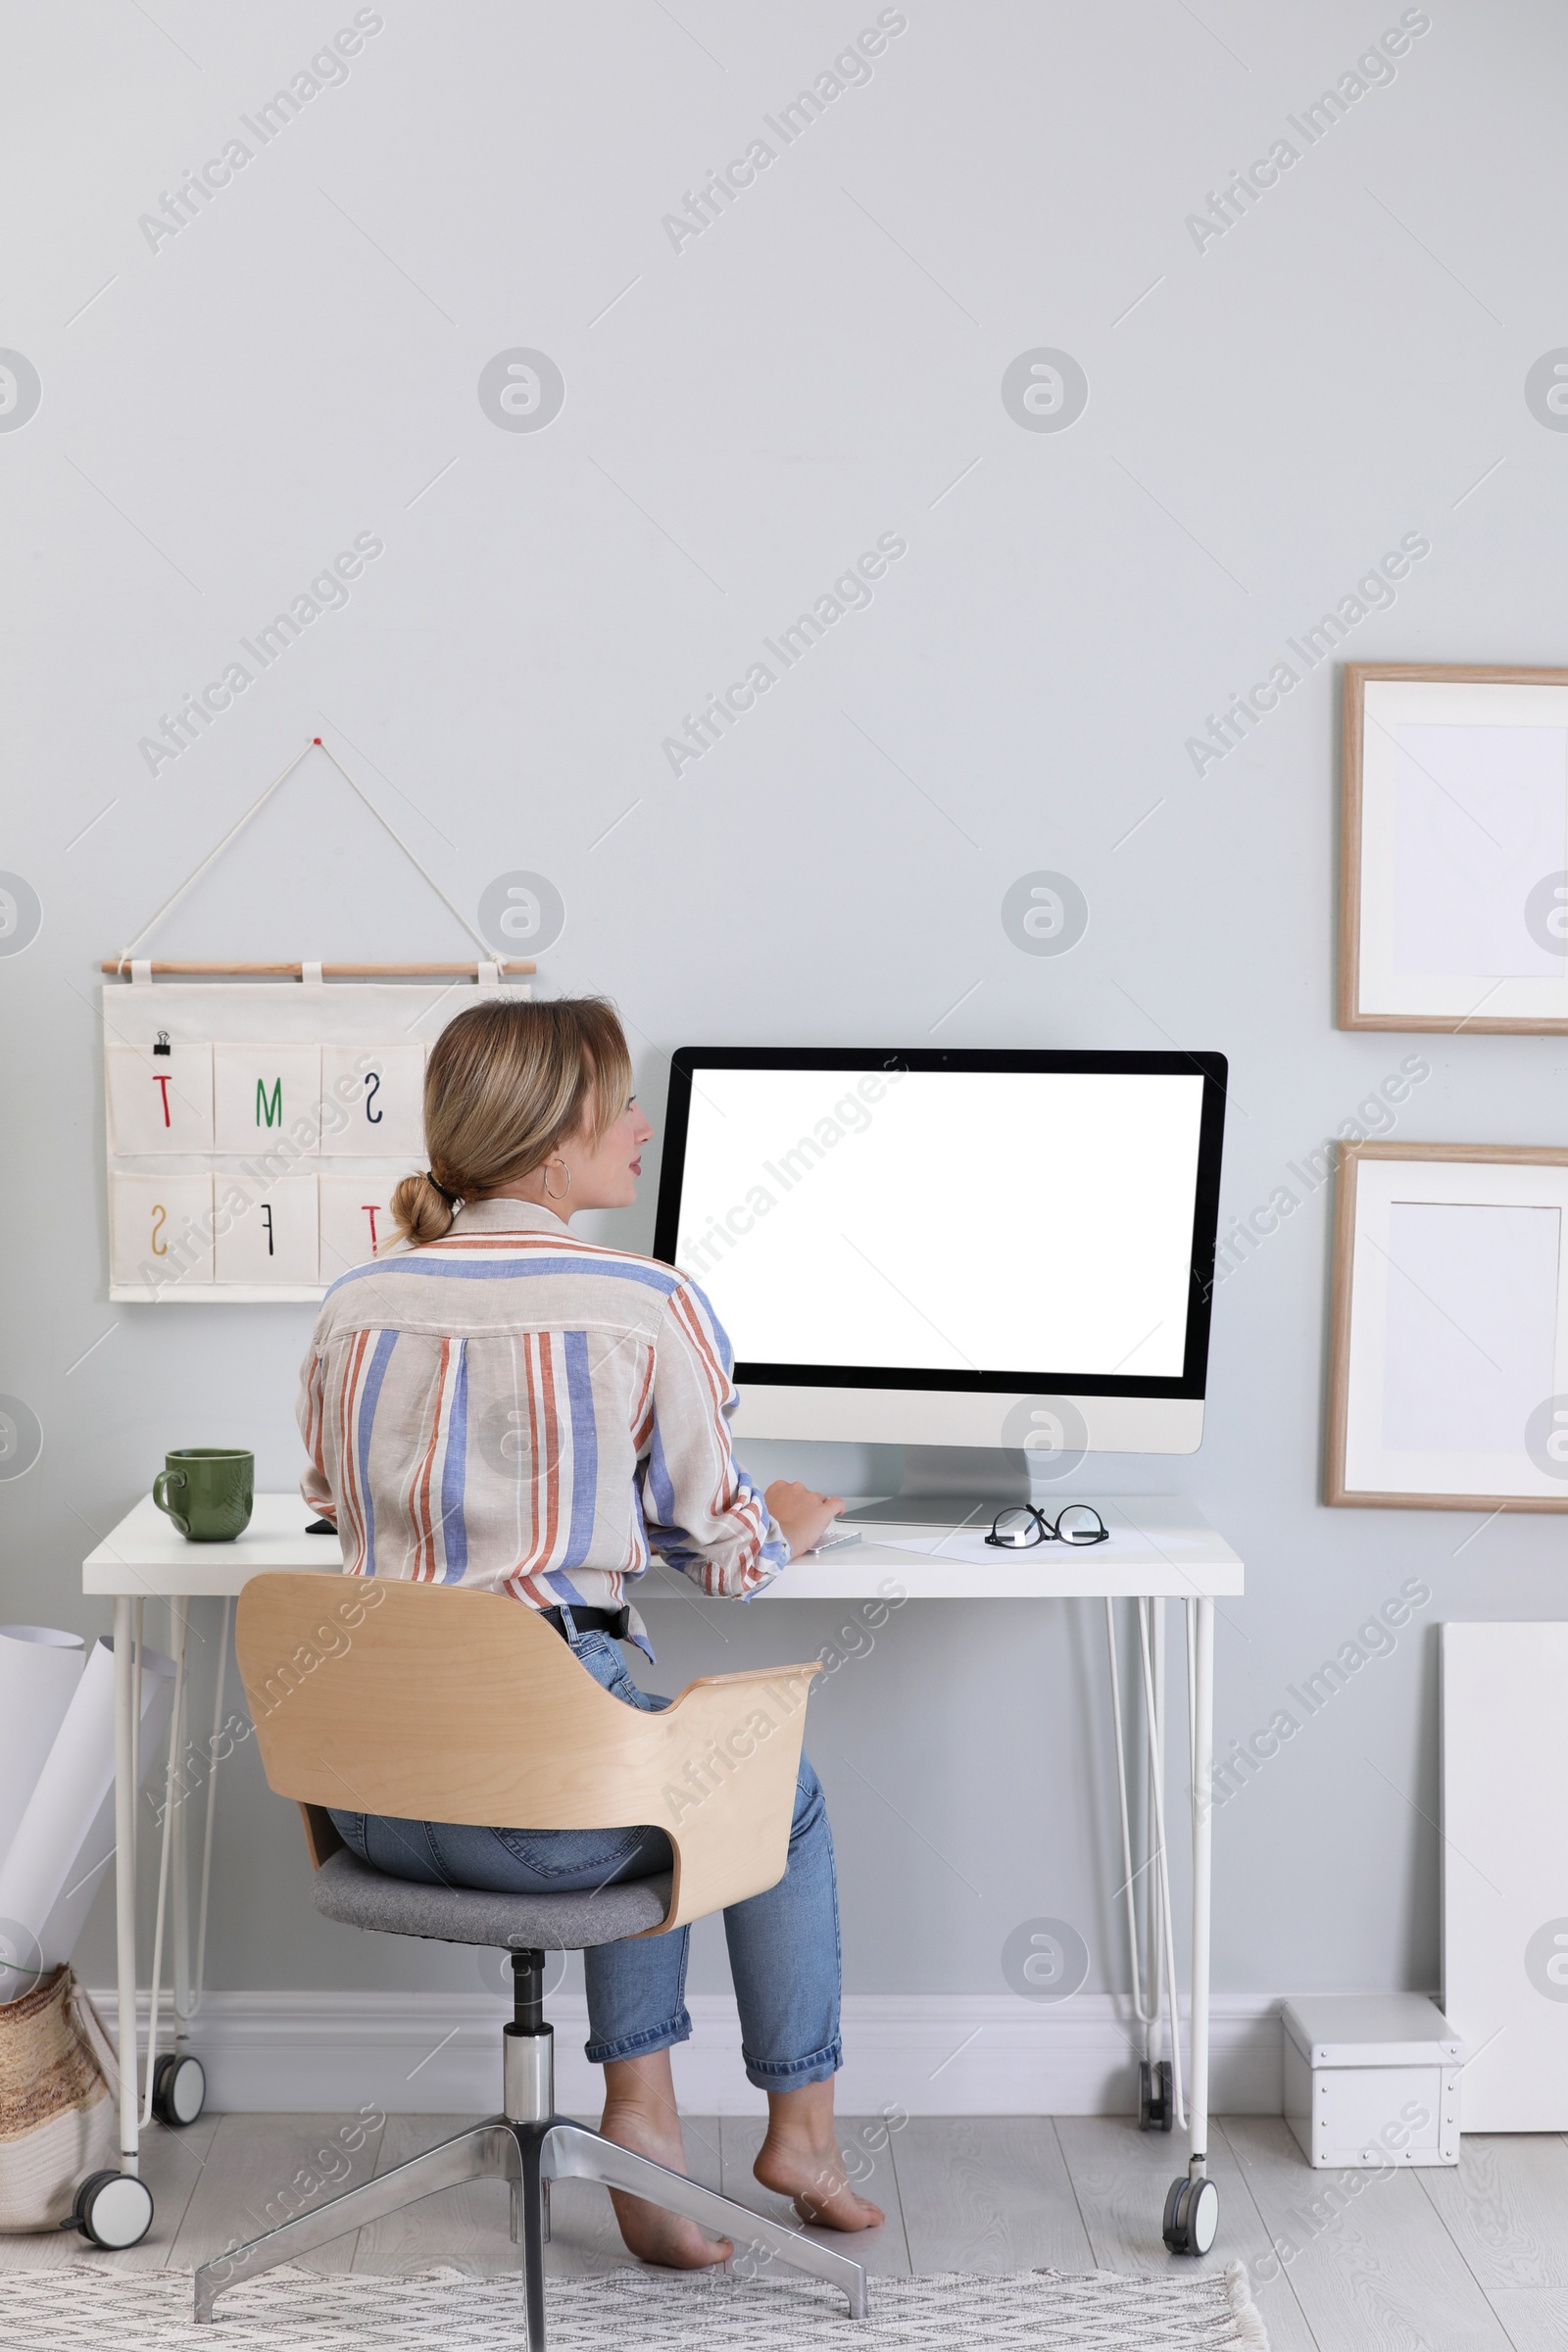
(58, 2109)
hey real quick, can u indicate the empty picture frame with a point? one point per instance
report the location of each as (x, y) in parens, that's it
(1449, 1328)
(1453, 849)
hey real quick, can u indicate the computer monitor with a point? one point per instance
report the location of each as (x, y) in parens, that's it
(959, 1249)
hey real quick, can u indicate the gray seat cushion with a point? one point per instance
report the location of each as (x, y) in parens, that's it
(348, 1891)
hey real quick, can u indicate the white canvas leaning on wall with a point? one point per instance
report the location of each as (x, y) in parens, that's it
(1449, 1354)
(257, 1130)
(1505, 1770)
(1454, 849)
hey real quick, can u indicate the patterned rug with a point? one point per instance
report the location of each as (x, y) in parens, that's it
(88, 2307)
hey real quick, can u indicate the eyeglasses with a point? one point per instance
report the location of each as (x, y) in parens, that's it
(1017, 1528)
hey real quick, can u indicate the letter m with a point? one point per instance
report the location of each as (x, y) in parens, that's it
(269, 1114)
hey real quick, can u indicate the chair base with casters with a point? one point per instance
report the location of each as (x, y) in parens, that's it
(528, 2144)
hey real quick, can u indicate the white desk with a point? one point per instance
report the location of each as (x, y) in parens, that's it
(1159, 1549)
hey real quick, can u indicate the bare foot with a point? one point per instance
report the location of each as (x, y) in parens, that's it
(816, 2180)
(801, 2159)
(640, 2113)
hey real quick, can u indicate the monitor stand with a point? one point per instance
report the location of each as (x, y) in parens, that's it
(949, 1486)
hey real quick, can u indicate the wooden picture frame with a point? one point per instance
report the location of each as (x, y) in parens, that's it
(1453, 850)
(1449, 1322)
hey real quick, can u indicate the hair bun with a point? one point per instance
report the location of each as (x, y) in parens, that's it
(423, 1208)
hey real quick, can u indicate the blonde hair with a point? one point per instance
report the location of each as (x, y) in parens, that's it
(505, 1082)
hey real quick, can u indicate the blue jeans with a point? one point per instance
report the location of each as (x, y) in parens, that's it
(783, 1946)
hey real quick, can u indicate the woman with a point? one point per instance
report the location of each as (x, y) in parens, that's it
(506, 1406)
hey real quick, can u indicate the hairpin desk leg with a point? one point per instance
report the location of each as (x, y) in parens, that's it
(1202, 1841)
(1191, 2208)
(126, 1880)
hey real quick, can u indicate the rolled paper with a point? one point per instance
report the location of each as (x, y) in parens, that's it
(66, 1833)
(39, 1669)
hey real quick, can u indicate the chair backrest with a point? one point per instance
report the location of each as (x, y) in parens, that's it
(434, 1704)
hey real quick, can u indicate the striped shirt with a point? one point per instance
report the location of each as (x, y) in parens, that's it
(525, 1412)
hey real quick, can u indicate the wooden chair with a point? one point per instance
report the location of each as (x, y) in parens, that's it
(434, 1705)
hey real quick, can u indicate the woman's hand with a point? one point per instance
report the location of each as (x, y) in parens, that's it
(805, 1516)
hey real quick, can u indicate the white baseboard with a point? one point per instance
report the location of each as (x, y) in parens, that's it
(925, 2054)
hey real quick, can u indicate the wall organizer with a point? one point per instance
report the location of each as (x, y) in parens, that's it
(259, 1115)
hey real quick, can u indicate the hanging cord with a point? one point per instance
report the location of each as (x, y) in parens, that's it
(1164, 1878)
(124, 954)
(315, 743)
(476, 935)
(1144, 2017)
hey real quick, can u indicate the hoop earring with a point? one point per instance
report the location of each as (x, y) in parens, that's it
(545, 1177)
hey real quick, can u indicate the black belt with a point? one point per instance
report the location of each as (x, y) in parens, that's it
(590, 1621)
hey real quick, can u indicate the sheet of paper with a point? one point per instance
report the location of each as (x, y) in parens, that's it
(39, 1669)
(969, 1544)
(1480, 819)
(1471, 1325)
(49, 1878)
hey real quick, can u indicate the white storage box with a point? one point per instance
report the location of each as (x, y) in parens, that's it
(1372, 2080)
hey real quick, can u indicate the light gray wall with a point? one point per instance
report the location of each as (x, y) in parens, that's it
(1267, 416)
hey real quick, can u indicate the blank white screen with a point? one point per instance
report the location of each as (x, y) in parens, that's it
(1003, 1221)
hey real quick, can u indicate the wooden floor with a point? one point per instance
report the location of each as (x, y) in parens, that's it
(1467, 2260)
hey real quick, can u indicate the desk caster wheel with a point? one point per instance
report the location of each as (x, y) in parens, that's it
(115, 2209)
(1191, 2216)
(1155, 2110)
(180, 2088)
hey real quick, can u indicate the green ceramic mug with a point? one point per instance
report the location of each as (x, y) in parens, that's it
(206, 1490)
